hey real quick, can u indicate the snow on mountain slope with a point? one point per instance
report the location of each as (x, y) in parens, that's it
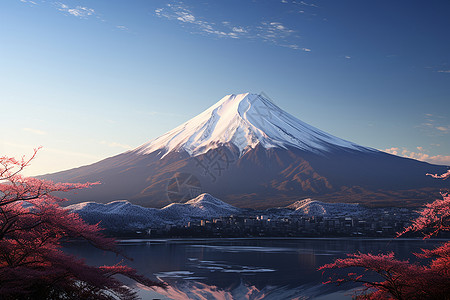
(118, 215)
(245, 120)
(310, 207)
(126, 216)
(206, 201)
(203, 206)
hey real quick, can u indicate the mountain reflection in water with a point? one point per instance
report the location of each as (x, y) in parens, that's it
(243, 268)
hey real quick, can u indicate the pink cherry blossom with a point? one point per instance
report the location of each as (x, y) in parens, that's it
(32, 227)
(402, 279)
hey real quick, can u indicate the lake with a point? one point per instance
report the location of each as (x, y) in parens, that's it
(284, 268)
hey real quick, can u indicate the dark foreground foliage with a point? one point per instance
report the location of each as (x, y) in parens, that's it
(402, 279)
(32, 227)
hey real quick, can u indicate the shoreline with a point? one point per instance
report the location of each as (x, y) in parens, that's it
(133, 240)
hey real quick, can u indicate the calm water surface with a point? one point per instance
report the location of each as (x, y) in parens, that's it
(243, 268)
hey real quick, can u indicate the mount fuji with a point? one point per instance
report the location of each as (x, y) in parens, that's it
(248, 152)
(245, 121)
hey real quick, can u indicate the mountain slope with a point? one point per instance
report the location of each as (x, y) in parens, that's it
(122, 215)
(204, 206)
(250, 153)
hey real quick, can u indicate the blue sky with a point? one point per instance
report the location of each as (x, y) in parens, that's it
(90, 79)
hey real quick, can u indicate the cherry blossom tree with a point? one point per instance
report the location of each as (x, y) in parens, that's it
(32, 227)
(401, 279)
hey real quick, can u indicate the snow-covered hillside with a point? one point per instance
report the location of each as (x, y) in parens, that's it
(204, 206)
(118, 215)
(245, 120)
(122, 215)
(126, 216)
(308, 207)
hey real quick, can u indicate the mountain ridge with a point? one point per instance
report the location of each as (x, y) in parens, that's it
(265, 170)
(123, 215)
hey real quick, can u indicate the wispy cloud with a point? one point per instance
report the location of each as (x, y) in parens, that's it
(183, 14)
(277, 34)
(29, 2)
(295, 47)
(441, 68)
(435, 125)
(443, 129)
(274, 32)
(239, 30)
(433, 159)
(307, 4)
(78, 11)
(35, 131)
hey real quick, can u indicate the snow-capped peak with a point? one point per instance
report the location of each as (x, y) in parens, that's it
(244, 120)
(206, 199)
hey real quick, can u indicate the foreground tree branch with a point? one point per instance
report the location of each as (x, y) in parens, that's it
(402, 279)
(32, 227)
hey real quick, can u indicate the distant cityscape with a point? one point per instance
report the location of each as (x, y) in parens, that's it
(380, 222)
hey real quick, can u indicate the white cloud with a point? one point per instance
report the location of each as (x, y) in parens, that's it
(29, 2)
(121, 27)
(443, 71)
(348, 57)
(278, 34)
(35, 131)
(295, 47)
(273, 32)
(78, 11)
(443, 129)
(183, 14)
(435, 125)
(292, 46)
(308, 4)
(239, 30)
(393, 150)
(433, 159)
